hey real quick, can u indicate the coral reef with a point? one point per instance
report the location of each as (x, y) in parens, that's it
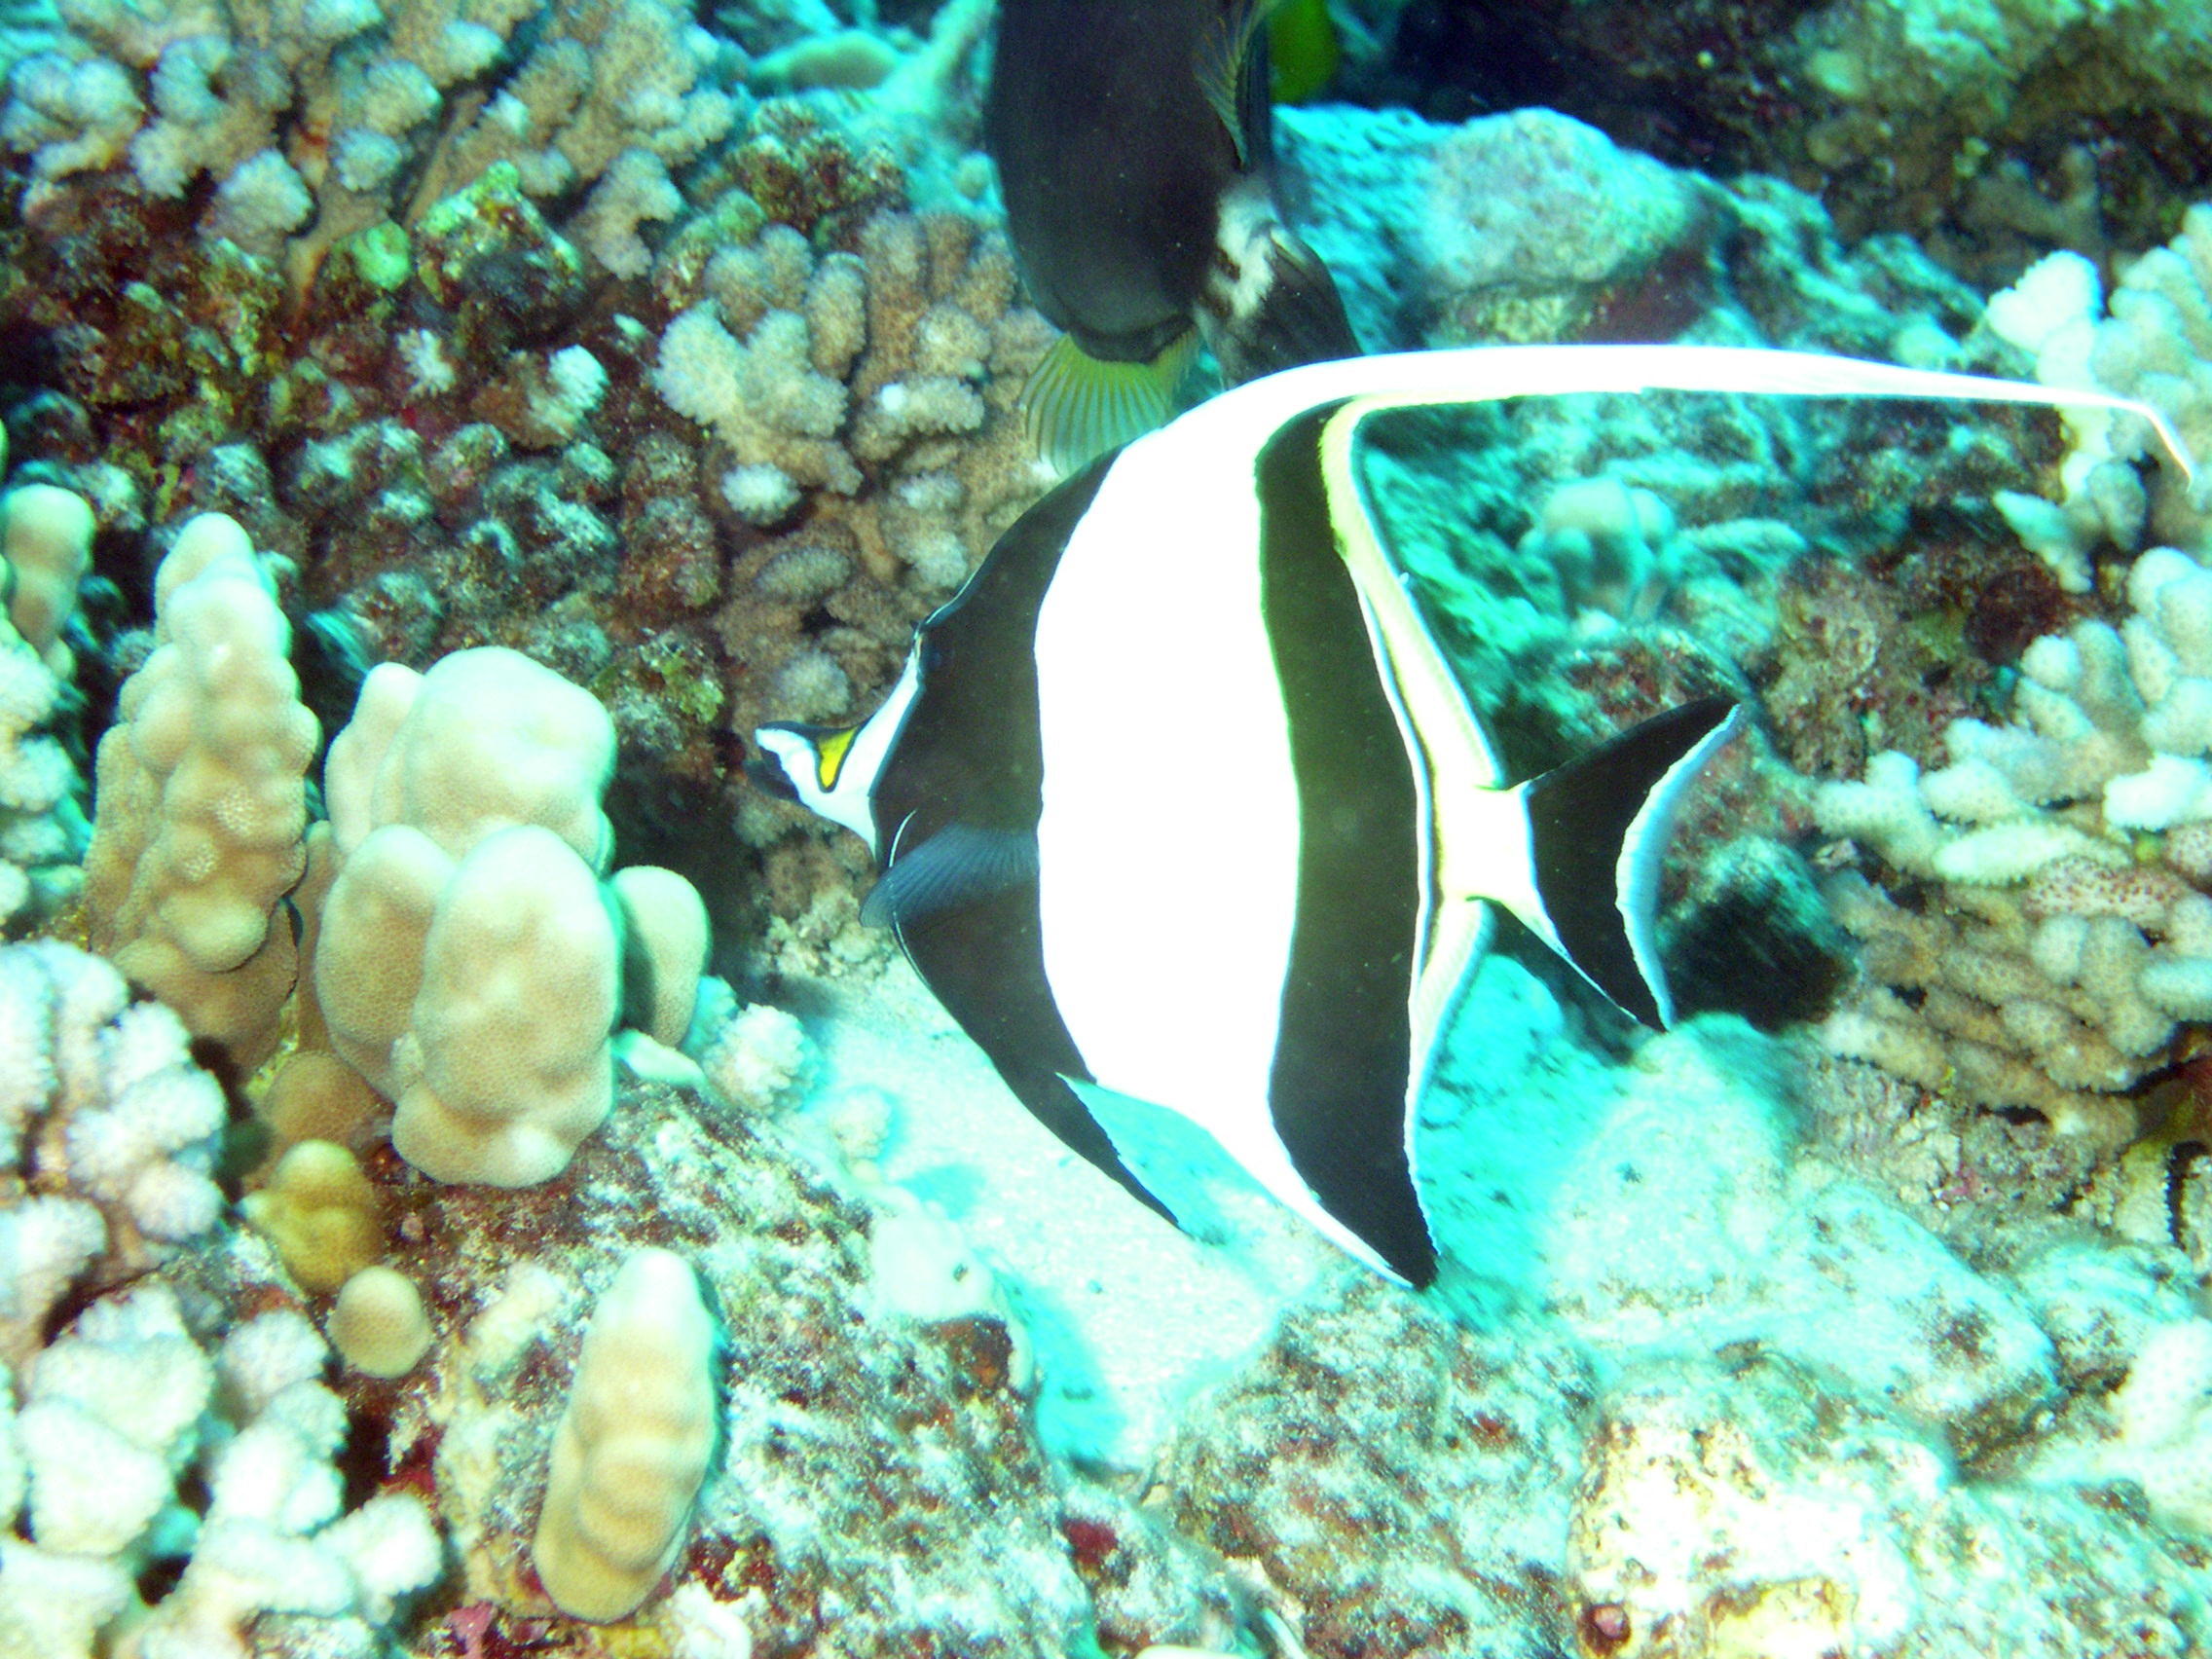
(175, 1433)
(1533, 226)
(1646, 1427)
(2154, 344)
(633, 1443)
(2067, 938)
(468, 954)
(613, 379)
(108, 1127)
(877, 1486)
(311, 121)
(1993, 132)
(864, 405)
(45, 544)
(203, 798)
(456, 445)
(1319, 1442)
(1754, 1507)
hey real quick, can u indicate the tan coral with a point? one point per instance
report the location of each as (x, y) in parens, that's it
(2059, 942)
(203, 785)
(631, 1447)
(321, 1214)
(506, 1064)
(864, 410)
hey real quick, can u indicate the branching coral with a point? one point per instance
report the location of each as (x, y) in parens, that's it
(311, 118)
(46, 538)
(2065, 933)
(862, 408)
(117, 1409)
(2153, 344)
(106, 1122)
(110, 1126)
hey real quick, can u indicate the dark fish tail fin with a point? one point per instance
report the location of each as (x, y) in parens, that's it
(1596, 827)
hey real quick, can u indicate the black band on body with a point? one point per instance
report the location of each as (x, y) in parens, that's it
(1344, 1049)
(970, 758)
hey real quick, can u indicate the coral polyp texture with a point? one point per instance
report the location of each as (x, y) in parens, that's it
(861, 407)
(203, 791)
(2071, 938)
(313, 121)
(142, 1443)
(632, 1442)
(46, 535)
(468, 955)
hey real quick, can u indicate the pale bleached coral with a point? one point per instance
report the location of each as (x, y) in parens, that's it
(104, 1114)
(2065, 935)
(2151, 341)
(2156, 346)
(2162, 1426)
(610, 91)
(203, 798)
(117, 1412)
(113, 1129)
(46, 536)
(755, 1058)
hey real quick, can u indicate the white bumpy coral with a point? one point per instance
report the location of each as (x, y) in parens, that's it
(46, 541)
(104, 1114)
(2154, 344)
(203, 798)
(103, 1108)
(2073, 845)
(116, 1410)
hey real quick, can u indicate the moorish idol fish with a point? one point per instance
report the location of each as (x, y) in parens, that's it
(1135, 154)
(1176, 800)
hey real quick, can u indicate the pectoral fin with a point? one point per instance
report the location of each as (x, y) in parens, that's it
(957, 866)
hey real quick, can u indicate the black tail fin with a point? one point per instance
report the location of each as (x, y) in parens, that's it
(1596, 826)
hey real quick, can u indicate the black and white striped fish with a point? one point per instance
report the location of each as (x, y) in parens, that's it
(1177, 800)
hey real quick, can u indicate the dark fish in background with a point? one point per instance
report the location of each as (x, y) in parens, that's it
(1135, 154)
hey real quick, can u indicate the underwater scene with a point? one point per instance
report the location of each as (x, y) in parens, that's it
(1105, 829)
